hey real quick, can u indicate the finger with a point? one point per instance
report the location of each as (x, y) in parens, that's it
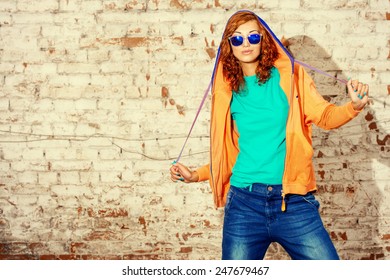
(350, 86)
(359, 87)
(365, 90)
(354, 85)
(174, 170)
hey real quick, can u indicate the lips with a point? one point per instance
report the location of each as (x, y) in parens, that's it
(246, 52)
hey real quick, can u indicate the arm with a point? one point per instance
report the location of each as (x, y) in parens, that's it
(326, 115)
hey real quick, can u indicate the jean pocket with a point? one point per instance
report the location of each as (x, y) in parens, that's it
(229, 199)
(310, 198)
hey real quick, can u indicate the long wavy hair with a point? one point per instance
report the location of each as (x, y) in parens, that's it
(231, 66)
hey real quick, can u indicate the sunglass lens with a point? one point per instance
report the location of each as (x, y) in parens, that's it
(237, 40)
(254, 39)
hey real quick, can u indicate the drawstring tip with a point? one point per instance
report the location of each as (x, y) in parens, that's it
(283, 203)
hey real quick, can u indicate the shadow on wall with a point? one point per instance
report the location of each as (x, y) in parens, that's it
(352, 164)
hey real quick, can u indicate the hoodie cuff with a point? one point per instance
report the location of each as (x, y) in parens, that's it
(203, 172)
(351, 111)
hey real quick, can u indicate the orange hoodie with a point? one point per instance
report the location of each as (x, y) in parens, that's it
(306, 107)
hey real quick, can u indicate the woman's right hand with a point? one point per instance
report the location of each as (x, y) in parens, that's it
(182, 173)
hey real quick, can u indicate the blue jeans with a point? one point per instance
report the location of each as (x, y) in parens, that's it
(254, 219)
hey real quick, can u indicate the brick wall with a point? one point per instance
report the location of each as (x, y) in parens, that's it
(97, 97)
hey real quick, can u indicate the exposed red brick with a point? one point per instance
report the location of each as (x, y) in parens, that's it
(164, 92)
(211, 52)
(68, 257)
(369, 117)
(18, 257)
(178, 4)
(142, 222)
(36, 246)
(141, 257)
(388, 89)
(47, 257)
(372, 126)
(321, 173)
(185, 249)
(387, 16)
(370, 257)
(343, 235)
(386, 236)
(180, 109)
(382, 142)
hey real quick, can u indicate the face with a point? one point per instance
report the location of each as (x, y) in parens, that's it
(247, 53)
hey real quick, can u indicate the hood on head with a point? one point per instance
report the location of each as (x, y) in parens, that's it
(285, 58)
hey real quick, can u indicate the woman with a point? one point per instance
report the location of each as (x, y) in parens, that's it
(261, 170)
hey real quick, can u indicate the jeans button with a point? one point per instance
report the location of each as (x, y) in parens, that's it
(269, 188)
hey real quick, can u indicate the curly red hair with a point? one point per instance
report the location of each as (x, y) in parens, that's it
(231, 66)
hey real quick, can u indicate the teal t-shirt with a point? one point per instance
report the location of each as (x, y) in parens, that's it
(260, 113)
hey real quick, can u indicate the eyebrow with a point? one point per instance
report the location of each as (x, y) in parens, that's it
(255, 30)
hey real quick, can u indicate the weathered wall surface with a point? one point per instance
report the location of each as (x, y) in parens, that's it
(97, 96)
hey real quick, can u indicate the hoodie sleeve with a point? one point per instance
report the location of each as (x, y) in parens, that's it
(203, 172)
(319, 111)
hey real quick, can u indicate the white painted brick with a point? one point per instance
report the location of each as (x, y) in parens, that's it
(4, 104)
(97, 56)
(47, 178)
(85, 104)
(27, 177)
(41, 6)
(70, 6)
(8, 6)
(69, 177)
(77, 68)
(5, 19)
(110, 177)
(32, 18)
(91, 6)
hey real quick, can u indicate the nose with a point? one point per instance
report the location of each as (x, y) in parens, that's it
(246, 42)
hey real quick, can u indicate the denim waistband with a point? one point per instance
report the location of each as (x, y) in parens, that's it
(265, 189)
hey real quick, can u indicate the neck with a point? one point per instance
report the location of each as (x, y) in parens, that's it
(249, 69)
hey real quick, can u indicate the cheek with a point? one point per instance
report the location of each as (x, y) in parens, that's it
(257, 49)
(236, 52)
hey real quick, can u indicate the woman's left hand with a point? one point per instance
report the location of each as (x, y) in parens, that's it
(358, 93)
